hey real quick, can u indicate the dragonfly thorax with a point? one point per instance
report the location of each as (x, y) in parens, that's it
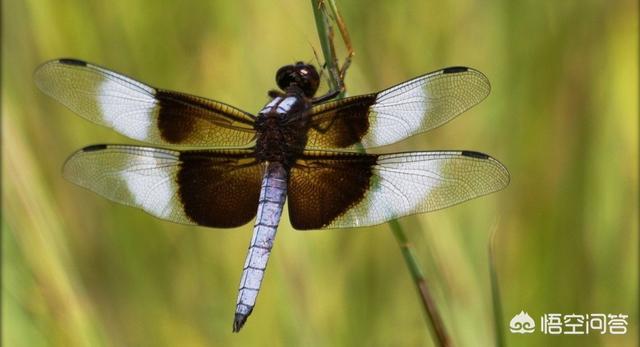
(279, 137)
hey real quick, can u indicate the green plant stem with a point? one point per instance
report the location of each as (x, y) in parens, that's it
(325, 34)
(430, 309)
(495, 294)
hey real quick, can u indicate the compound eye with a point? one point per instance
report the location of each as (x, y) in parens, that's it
(284, 76)
(311, 80)
(302, 75)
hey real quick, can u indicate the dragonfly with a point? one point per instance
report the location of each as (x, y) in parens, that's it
(235, 166)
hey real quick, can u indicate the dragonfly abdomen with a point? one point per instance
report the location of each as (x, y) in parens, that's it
(272, 197)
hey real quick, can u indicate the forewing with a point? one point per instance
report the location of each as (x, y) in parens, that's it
(216, 188)
(338, 190)
(392, 115)
(142, 112)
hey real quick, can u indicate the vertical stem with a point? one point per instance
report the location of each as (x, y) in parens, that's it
(430, 309)
(325, 34)
(495, 294)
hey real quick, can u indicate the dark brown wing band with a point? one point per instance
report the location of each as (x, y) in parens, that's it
(322, 186)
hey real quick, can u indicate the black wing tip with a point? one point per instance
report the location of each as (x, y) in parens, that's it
(238, 321)
(504, 172)
(455, 69)
(474, 154)
(94, 148)
(461, 69)
(72, 61)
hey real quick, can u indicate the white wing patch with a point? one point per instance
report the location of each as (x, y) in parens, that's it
(388, 125)
(131, 111)
(153, 193)
(400, 188)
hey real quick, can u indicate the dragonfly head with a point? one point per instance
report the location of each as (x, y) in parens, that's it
(304, 76)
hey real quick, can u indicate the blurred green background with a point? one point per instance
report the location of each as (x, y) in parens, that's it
(562, 116)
